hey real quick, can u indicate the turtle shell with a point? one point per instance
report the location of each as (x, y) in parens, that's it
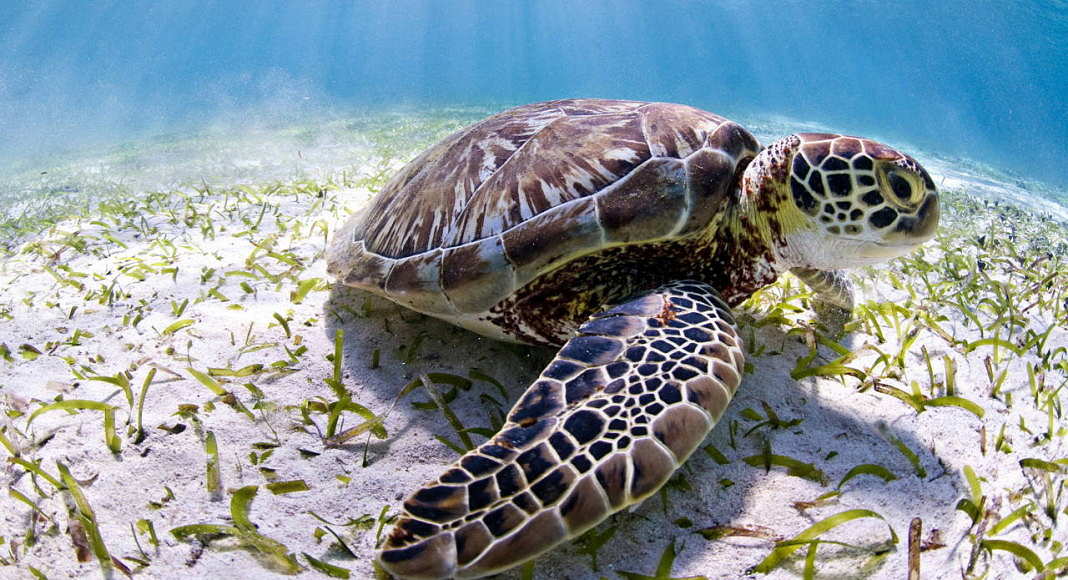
(495, 205)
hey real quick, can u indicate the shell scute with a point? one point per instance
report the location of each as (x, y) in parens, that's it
(444, 178)
(595, 106)
(367, 269)
(552, 236)
(676, 130)
(732, 139)
(570, 158)
(416, 282)
(474, 276)
(625, 209)
(709, 174)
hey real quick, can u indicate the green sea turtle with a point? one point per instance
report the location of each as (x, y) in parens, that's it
(621, 232)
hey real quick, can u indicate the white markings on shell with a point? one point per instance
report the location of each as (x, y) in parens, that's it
(466, 192)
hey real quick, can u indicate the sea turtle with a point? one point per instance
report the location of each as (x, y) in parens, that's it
(621, 232)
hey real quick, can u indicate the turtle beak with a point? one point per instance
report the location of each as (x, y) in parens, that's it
(913, 230)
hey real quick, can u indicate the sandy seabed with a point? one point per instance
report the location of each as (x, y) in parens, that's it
(197, 263)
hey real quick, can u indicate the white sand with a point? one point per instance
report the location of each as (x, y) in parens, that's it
(836, 418)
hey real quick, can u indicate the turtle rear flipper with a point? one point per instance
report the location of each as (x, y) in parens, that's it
(617, 411)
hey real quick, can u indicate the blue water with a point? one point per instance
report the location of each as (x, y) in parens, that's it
(979, 79)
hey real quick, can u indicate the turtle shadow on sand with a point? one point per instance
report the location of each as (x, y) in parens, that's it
(718, 495)
(409, 345)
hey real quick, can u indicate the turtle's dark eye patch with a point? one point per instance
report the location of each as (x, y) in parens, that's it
(883, 217)
(872, 198)
(834, 164)
(900, 186)
(800, 167)
(804, 200)
(816, 183)
(840, 184)
(862, 162)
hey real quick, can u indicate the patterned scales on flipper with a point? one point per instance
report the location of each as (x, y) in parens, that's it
(618, 410)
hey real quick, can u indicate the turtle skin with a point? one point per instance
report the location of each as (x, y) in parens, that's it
(622, 405)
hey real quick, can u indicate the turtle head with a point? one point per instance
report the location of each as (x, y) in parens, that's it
(843, 201)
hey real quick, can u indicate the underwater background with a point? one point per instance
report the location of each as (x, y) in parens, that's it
(981, 80)
(172, 345)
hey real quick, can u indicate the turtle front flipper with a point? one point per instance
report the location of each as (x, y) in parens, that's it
(619, 409)
(831, 286)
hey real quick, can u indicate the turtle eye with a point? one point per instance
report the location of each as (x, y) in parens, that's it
(900, 186)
